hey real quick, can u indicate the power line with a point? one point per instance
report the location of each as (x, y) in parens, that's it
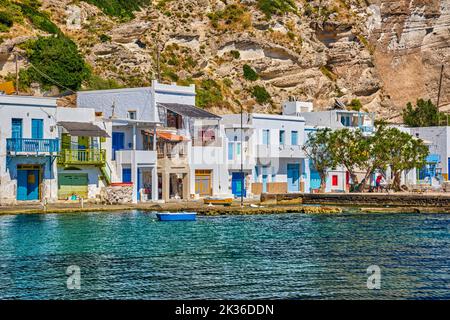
(47, 76)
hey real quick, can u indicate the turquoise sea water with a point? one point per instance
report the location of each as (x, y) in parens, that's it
(294, 256)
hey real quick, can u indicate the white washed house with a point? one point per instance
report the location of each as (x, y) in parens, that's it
(84, 166)
(182, 161)
(29, 147)
(271, 150)
(338, 179)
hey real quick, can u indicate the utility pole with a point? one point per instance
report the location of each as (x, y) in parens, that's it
(158, 70)
(242, 158)
(158, 54)
(440, 87)
(16, 56)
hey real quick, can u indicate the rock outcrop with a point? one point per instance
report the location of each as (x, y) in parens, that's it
(382, 52)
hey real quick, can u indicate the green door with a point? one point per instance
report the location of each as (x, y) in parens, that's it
(70, 184)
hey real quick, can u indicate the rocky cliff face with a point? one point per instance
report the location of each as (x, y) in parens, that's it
(382, 52)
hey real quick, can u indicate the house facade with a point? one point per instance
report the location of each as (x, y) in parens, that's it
(83, 163)
(161, 142)
(437, 168)
(29, 146)
(338, 179)
(270, 147)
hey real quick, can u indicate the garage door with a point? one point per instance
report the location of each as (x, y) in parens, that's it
(70, 184)
(203, 182)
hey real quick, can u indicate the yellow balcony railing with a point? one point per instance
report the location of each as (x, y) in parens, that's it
(82, 157)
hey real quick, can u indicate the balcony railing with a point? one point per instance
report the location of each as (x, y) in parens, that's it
(23, 145)
(82, 156)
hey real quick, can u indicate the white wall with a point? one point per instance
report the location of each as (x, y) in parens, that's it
(75, 114)
(142, 100)
(129, 99)
(440, 142)
(26, 108)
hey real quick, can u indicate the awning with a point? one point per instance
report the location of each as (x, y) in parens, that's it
(83, 129)
(189, 111)
(169, 136)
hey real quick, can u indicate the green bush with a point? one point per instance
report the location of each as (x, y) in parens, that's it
(39, 19)
(276, 7)
(249, 73)
(98, 83)
(10, 13)
(56, 58)
(123, 9)
(104, 38)
(228, 82)
(260, 94)
(6, 21)
(230, 15)
(355, 105)
(235, 54)
(208, 93)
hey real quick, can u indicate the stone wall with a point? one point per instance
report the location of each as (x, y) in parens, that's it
(360, 199)
(117, 194)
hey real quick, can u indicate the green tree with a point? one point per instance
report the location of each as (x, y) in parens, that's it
(351, 149)
(378, 146)
(317, 148)
(424, 114)
(403, 152)
(55, 61)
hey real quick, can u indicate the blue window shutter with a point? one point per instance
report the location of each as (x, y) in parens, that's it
(230, 151)
(16, 128)
(266, 139)
(37, 128)
(294, 138)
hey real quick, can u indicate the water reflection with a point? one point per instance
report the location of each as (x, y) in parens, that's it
(130, 255)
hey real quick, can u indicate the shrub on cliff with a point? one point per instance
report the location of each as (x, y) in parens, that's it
(276, 7)
(260, 94)
(249, 73)
(55, 61)
(123, 9)
(209, 93)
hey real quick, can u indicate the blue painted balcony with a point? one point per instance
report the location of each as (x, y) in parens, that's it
(29, 146)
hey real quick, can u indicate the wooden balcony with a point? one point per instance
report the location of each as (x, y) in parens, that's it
(95, 157)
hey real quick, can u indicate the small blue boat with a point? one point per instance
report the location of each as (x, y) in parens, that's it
(177, 216)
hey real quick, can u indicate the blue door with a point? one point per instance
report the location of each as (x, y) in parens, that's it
(27, 185)
(118, 142)
(138, 184)
(22, 182)
(237, 186)
(448, 169)
(264, 182)
(293, 177)
(37, 128)
(314, 178)
(126, 175)
(33, 185)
